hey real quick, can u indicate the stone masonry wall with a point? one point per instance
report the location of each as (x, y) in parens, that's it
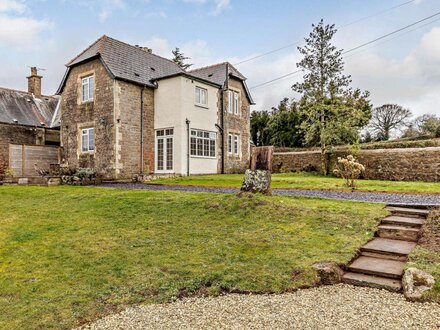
(237, 124)
(98, 114)
(405, 164)
(128, 129)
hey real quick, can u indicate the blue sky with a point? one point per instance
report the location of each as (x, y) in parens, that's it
(403, 70)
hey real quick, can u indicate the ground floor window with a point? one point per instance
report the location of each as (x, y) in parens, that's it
(164, 150)
(203, 143)
(88, 139)
(234, 144)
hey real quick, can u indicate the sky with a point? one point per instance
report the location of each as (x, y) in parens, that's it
(403, 68)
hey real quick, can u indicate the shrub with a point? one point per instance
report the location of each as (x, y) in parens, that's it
(349, 169)
(85, 173)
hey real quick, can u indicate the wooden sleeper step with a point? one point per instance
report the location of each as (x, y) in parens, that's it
(377, 267)
(388, 248)
(398, 233)
(372, 281)
(410, 212)
(403, 221)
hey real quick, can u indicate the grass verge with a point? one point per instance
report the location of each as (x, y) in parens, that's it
(426, 256)
(307, 181)
(69, 255)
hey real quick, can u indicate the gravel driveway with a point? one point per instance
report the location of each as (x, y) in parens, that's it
(329, 307)
(424, 199)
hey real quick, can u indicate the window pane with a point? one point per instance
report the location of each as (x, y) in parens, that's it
(236, 144)
(206, 148)
(212, 148)
(230, 143)
(236, 103)
(160, 154)
(91, 139)
(85, 142)
(230, 101)
(197, 95)
(169, 153)
(199, 147)
(193, 147)
(204, 97)
(91, 87)
(85, 92)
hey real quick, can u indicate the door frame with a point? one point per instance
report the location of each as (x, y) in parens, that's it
(156, 157)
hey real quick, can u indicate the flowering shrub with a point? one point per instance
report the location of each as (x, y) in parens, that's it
(349, 169)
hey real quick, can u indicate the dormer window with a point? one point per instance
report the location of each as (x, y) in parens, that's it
(201, 96)
(88, 85)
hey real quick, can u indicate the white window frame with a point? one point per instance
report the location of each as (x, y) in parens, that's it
(234, 102)
(88, 88)
(198, 138)
(164, 134)
(201, 100)
(85, 136)
(234, 144)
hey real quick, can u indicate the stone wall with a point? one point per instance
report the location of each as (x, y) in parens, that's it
(20, 134)
(128, 129)
(405, 164)
(237, 124)
(76, 115)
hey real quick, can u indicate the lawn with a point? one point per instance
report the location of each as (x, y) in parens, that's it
(426, 255)
(69, 255)
(306, 181)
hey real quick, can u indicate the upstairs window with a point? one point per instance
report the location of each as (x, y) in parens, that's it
(88, 84)
(88, 139)
(233, 102)
(201, 96)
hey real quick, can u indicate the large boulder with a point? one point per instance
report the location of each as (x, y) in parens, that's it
(415, 282)
(256, 181)
(329, 273)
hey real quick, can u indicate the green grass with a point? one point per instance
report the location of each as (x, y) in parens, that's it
(307, 181)
(426, 256)
(70, 255)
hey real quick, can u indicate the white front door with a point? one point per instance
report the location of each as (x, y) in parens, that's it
(165, 151)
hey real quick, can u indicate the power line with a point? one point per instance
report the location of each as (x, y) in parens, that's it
(357, 47)
(398, 36)
(341, 27)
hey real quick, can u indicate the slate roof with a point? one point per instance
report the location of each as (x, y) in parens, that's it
(217, 74)
(18, 107)
(128, 62)
(132, 63)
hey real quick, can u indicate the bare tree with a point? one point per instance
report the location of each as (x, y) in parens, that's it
(387, 118)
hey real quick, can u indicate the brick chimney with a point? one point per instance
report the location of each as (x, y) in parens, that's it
(34, 82)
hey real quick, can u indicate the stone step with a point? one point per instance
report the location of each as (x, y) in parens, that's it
(398, 233)
(384, 256)
(410, 212)
(388, 247)
(377, 267)
(372, 281)
(403, 221)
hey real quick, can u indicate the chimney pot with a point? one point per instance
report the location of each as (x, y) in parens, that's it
(34, 82)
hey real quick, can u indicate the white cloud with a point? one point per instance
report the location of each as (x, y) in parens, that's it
(12, 6)
(18, 30)
(220, 6)
(108, 7)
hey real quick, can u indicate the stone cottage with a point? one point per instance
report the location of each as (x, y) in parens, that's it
(27, 118)
(126, 111)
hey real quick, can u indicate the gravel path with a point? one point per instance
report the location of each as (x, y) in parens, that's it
(329, 307)
(424, 199)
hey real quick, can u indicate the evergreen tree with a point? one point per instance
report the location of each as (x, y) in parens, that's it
(180, 58)
(332, 112)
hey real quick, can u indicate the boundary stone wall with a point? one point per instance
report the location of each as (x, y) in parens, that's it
(404, 164)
